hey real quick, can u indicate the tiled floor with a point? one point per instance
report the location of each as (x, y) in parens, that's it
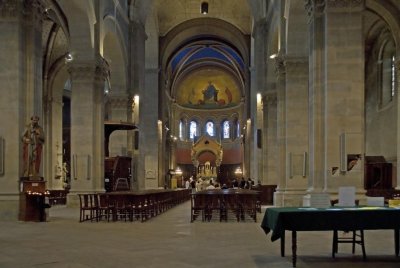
(170, 240)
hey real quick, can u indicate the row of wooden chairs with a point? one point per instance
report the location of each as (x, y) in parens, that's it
(128, 206)
(221, 204)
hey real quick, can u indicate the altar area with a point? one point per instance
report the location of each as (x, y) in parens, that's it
(206, 156)
(206, 171)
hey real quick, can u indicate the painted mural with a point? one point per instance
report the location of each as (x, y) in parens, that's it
(208, 89)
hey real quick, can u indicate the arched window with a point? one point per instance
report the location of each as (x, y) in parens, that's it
(226, 130)
(237, 128)
(387, 72)
(192, 129)
(210, 128)
(181, 125)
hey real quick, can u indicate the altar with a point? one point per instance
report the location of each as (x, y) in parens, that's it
(206, 156)
(206, 171)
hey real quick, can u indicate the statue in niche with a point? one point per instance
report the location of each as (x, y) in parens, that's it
(33, 140)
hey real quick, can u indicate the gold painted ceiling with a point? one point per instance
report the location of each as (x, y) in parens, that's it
(210, 88)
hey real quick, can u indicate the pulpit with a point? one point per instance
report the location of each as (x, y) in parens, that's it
(116, 168)
(32, 199)
(378, 173)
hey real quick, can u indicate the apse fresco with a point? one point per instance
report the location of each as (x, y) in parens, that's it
(208, 89)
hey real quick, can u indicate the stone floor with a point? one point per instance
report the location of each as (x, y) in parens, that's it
(170, 240)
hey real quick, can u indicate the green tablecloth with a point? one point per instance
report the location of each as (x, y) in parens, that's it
(311, 219)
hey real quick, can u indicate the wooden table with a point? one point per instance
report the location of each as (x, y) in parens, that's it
(294, 219)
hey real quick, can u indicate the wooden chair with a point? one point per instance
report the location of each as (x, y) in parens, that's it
(105, 208)
(87, 210)
(347, 198)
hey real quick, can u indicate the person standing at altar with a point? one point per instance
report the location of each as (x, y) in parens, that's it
(33, 140)
(242, 183)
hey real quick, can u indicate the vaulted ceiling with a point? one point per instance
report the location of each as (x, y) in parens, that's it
(170, 13)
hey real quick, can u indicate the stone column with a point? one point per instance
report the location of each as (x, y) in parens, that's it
(137, 80)
(87, 121)
(150, 141)
(296, 124)
(33, 21)
(12, 106)
(281, 130)
(397, 66)
(269, 141)
(336, 91)
(258, 74)
(317, 96)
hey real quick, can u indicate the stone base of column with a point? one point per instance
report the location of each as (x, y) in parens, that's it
(289, 198)
(9, 207)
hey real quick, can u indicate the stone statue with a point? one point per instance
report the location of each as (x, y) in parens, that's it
(33, 140)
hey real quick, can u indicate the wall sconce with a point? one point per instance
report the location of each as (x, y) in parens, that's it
(204, 8)
(68, 57)
(273, 56)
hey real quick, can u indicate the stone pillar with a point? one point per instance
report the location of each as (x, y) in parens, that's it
(150, 141)
(147, 161)
(281, 130)
(258, 75)
(317, 96)
(33, 21)
(336, 91)
(397, 66)
(296, 128)
(269, 148)
(12, 106)
(87, 119)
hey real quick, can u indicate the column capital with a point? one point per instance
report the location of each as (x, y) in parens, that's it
(9, 9)
(270, 98)
(34, 11)
(260, 27)
(296, 64)
(397, 66)
(280, 68)
(315, 8)
(119, 101)
(89, 69)
(137, 28)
